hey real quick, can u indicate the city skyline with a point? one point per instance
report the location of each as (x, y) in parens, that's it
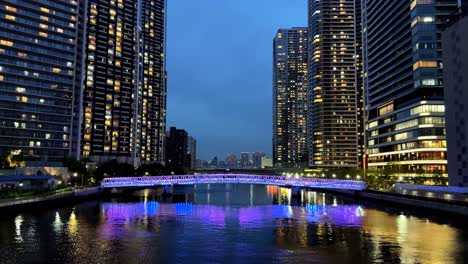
(236, 118)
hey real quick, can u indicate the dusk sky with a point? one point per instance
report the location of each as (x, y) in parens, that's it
(219, 63)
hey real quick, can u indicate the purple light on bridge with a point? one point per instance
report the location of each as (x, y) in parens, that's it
(233, 178)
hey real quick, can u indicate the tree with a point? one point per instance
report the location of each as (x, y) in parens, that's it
(16, 159)
(113, 168)
(4, 163)
(153, 169)
(391, 169)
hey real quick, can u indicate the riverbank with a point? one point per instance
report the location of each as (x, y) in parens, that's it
(45, 200)
(409, 201)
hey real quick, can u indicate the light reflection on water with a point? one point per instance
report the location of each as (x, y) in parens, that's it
(227, 224)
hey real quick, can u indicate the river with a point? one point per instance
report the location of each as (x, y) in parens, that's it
(230, 224)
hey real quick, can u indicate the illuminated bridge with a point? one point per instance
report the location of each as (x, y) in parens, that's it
(149, 181)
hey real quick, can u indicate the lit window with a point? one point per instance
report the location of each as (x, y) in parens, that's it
(11, 9)
(6, 42)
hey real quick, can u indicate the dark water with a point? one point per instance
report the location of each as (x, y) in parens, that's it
(230, 224)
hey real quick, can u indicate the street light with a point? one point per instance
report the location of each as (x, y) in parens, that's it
(323, 174)
(347, 176)
(358, 177)
(334, 175)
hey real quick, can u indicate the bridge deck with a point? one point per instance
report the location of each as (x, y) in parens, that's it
(149, 181)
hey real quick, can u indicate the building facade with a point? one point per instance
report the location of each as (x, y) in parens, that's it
(257, 159)
(123, 98)
(455, 56)
(192, 151)
(177, 157)
(290, 98)
(335, 86)
(245, 160)
(403, 73)
(38, 48)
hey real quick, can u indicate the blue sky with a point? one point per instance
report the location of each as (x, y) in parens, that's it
(219, 63)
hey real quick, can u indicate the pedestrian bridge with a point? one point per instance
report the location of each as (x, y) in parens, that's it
(149, 181)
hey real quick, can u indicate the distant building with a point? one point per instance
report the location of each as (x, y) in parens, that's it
(245, 159)
(177, 149)
(192, 151)
(455, 58)
(290, 97)
(257, 159)
(231, 161)
(213, 163)
(266, 162)
(201, 164)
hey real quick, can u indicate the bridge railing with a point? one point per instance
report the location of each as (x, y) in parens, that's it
(147, 181)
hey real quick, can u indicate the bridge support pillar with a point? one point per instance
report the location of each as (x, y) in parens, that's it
(296, 191)
(168, 190)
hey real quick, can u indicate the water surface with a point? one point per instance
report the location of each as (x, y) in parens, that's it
(230, 224)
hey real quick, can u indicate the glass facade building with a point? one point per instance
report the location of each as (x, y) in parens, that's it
(38, 46)
(403, 76)
(335, 85)
(290, 98)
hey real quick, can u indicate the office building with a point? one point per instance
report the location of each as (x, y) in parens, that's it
(455, 56)
(38, 46)
(335, 88)
(124, 88)
(290, 97)
(403, 78)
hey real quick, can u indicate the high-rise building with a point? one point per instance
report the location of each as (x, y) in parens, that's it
(38, 46)
(335, 88)
(455, 56)
(257, 159)
(124, 93)
(403, 78)
(192, 151)
(290, 97)
(177, 156)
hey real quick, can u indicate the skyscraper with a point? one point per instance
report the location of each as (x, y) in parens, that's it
(290, 97)
(335, 86)
(403, 82)
(38, 49)
(124, 91)
(455, 55)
